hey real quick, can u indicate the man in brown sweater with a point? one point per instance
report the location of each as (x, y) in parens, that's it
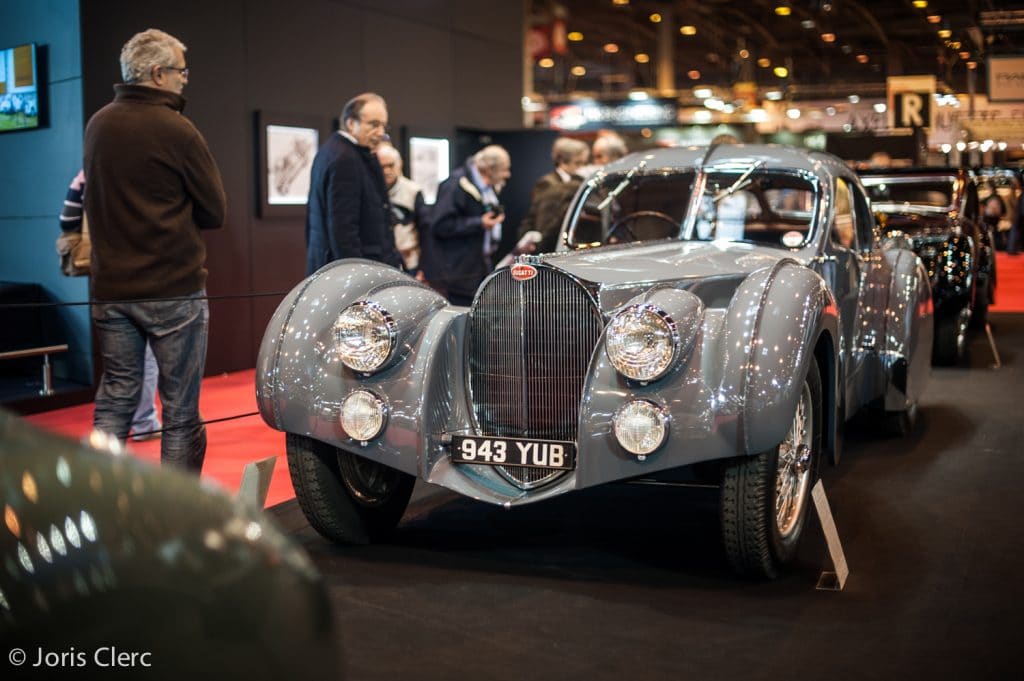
(153, 184)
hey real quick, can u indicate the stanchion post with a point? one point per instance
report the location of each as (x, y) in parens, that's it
(992, 344)
(256, 481)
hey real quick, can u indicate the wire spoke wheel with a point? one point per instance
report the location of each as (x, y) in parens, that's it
(793, 470)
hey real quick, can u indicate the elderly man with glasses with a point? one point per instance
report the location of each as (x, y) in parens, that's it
(349, 215)
(153, 185)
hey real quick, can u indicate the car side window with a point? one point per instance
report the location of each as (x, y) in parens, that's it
(971, 202)
(844, 226)
(865, 218)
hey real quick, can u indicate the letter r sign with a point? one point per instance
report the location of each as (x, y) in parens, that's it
(912, 109)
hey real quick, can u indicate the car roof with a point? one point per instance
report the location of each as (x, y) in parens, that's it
(774, 156)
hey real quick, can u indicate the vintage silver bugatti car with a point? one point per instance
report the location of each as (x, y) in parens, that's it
(714, 312)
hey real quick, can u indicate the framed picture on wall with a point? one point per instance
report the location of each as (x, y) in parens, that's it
(286, 146)
(429, 164)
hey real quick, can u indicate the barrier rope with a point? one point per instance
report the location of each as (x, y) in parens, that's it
(270, 294)
(144, 434)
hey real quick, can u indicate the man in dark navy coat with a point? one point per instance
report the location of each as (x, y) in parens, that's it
(349, 214)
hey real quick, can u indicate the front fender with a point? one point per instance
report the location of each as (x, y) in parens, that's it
(300, 382)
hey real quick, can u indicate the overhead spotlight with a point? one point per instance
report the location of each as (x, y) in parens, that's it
(744, 54)
(880, 107)
(780, 71)
(830, 110)
(972, 65)
(688, 30)
(965, 55)
(828, 37)
(793, 113)
(934, 18)
(847, 48)
(702, 116)
(946, 148)
(639, 95)
(773, 95)
(862, 58)
(807, 23)
(546, 63)
(702, 92)
(1002, 146)
(655, 18)
(574, 36)
(960, 146)
(945, 32)
(693, 74)
(920, 4)
(853, 99)
(610, 48)
(764, 62)
(620, 2)
(578, 71)
(783, 10)
(757, 116)
(642, 57)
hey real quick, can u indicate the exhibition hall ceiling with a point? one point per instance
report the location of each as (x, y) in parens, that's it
(611, 46)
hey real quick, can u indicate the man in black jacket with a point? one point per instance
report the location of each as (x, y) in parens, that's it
(466, 220)
(153, 185)
(349, 215)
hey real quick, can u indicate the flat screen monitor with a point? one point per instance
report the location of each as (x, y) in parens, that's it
(19, 88)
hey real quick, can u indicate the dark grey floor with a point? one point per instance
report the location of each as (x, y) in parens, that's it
(627, 582)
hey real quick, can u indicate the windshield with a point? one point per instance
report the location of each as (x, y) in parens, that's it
(925, 192)
(739, 203)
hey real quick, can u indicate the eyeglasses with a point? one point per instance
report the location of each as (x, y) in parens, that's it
(183, 72)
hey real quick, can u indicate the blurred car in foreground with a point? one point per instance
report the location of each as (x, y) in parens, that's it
(110, 563)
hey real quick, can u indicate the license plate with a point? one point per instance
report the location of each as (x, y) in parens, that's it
(513, 451)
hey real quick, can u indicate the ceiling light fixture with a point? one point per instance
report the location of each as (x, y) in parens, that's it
(611, 48)
(642, 57)
(945, 32)
(920, 4)
(773, 95)
(793, 113)
(965, 55)
(862, 58)
(783, 10)
(764, 62)
(807, 23)
(934, 18)
(781, 71)
(575, 36)
(744, 54)
(702, 92)
(854, 99)
(578, 71)
(620, 2)
(693, 74)
(828, 37)
(655, 18)
(688, 30)
(546, 63)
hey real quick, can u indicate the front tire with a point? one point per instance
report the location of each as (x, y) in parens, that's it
(346, 498)
(765, 498)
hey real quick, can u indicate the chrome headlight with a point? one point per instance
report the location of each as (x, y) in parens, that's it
(641, 427)
(366, 336)
(363, 415)
(642, 342)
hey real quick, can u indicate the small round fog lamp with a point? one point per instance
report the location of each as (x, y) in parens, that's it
(363, 415)
(641, 427)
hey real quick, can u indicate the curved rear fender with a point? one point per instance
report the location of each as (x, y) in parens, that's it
(771, 329)
(297, 367)
(906, 352)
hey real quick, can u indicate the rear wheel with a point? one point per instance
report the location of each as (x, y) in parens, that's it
(950, 339)
(765, 498)
(346, 498)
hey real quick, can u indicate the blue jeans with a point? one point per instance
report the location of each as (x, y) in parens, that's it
(145, 419)
(177, 332)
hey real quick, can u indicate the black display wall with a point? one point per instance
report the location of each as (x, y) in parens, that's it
(440, 64)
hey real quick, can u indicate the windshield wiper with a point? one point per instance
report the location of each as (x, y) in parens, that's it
(741, 182)
(621, 186)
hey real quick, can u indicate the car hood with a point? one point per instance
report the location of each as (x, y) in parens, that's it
(712, 270)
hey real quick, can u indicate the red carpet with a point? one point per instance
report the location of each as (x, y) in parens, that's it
(230, 444)
(1009, 283)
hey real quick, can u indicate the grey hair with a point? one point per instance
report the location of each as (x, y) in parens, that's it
(353, 108)
(492, 156)
(614, 146)
(566, 149)
(145, 50)
(389, 151)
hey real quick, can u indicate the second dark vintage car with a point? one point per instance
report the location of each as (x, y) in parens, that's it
(938, 210)
(713, 313)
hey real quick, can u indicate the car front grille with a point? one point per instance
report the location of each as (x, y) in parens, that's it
(530, 346)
